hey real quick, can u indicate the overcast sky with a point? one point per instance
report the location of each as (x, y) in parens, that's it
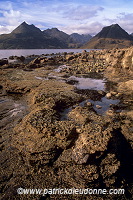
(70, 16)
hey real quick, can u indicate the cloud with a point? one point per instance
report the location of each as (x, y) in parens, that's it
(3, 29)
(11, 16)
(124, 20)
(82, 12)
(68, 15)
(6, 29)
(87, 28)
(5, 5)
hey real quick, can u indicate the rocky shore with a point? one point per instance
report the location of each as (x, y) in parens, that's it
(66, 122)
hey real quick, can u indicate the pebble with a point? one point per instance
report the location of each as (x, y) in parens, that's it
(98, 106)
(110, 112)
(108, 95)
(89, 104)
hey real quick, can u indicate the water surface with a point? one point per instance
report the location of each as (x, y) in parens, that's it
(5, 53)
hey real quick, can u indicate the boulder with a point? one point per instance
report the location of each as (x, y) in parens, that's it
(3, 61)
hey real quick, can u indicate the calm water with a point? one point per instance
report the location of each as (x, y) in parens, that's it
(88, 83)
(5, 53)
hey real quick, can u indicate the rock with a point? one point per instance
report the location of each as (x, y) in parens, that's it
(78, 176)
(69, 57)
(129, 114)
(110, 112)
(21, 58)
(91, 140)
(84, 51)
(101, 92)
(79, 115)
(108, 167)
(12, 57)
(89, 104)
(113, 93)
(3, 61)
(126, 87)
(98, 106)
(118, 94)
(86, 150)
(108, 95)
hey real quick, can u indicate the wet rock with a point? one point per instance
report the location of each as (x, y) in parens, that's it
(110, 112)
(98, 106)
(108, 95)
(84, 51)
(89, 104)
(3, 61)
(101, 92)
(12, 57)
(21, 58)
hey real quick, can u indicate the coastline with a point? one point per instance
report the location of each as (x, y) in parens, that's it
(84, 149)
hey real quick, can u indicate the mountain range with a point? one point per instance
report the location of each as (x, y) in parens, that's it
(30, 37)
(110, 37)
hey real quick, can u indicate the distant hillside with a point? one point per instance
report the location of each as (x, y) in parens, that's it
(80, 39)
(64, 38)
(30, 37)
(110, 37)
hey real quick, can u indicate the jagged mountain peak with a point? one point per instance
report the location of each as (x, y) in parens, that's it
(25, 28)
(113, 31)
(24, 23)
(112, 36)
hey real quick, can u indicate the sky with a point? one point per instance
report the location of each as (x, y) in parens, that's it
(70, 16)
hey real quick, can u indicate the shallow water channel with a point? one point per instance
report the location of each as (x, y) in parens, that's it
(12, 110)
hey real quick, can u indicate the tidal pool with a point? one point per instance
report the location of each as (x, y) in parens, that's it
(104, 104)
(11, 110)
(88, 83)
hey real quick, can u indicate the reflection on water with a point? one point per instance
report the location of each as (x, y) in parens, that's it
(11, 110)
(104, 106)
(88, 83)
(60, 68)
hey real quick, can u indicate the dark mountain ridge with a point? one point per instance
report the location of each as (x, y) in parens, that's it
(110, 37)
(24, 28)
(82, 39)
(30, 37)
(114, 31)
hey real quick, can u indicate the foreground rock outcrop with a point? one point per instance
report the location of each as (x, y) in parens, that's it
(52, 135)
